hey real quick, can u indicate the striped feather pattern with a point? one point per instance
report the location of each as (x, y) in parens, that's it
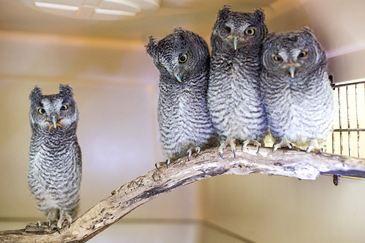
(233, 96)
(183, 115)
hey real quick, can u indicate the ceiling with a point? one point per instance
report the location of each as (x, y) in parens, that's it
(196, 15)
(337, 24)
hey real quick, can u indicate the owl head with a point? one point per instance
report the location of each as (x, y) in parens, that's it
(236, 30)
(180, 55)
(293, 54)
(57, 112)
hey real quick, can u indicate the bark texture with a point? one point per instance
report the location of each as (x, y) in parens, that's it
(291, 163)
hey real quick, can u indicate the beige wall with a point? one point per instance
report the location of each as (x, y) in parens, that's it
(115, 86)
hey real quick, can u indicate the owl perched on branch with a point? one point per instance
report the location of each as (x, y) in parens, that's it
(183, 61)
(54, 175)
(297, 92)
(234, 100)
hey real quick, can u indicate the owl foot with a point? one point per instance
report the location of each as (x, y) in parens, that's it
(313, 144)
(221, 147)
(231, 143)
(189, 154)
(283, 143)
(251, 141)
(63, 215)
(38, 224)
(197, 151)
(158, 164)
(52, 216)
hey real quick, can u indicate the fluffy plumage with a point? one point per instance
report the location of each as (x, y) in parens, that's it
(183, 61)
(234, 100)
(54, 175)
(297, 92)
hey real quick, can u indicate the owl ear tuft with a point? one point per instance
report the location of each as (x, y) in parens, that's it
(259, 15)
(66, 90)
(223, 13)
(151, 47)
(36, 94)
(307, 30)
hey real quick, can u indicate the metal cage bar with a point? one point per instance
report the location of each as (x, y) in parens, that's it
(349, 129)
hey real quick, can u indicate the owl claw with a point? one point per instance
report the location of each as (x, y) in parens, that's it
(189, 154)
(221, 147)
(197, 149)
(58, 230)
(254, 142)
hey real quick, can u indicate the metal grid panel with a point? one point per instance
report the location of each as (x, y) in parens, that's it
(351, 107)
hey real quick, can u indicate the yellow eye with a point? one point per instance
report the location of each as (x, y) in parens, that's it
(64, 107)
(41, 111)
(302, 54)
(250, 32)
(278, 58)
(183, 58)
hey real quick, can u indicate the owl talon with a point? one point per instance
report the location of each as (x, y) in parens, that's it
(58, 230)
(221, 155)
(197, 149)
(189, 154)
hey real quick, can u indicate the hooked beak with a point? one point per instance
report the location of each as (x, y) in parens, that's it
(54, 121)
(235, 42)
(177, 76)
(291, 70)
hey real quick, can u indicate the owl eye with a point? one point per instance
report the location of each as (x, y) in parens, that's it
(278, 58)
(227, 29)
(302, 54)
(41, 111)
(183, 58)
(64, 107)
(250, 32)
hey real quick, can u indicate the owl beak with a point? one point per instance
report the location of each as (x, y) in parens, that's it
(177, 76)
(291, 70)
(54, 122)
(235, 42)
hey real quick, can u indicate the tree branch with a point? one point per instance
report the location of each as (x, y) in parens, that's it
(291, 163)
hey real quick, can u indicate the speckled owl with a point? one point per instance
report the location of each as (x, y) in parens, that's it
(297, 92)
(234, 99)
(182, 59)
(55, 157)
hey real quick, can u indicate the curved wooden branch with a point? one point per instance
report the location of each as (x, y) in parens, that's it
(123, 200)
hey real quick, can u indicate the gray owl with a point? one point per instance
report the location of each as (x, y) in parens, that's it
(54, 174)
(297, 92)
(183, 61)
(234, 100)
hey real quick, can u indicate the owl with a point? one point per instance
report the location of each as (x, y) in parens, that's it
(296, 89)
(54, 174)
(234, 100)
(182, 59)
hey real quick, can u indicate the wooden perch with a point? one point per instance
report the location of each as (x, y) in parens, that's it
(123, 200)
